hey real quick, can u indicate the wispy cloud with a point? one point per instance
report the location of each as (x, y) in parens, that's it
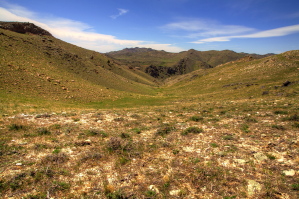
(277, 32)
(120, 13)
(77, 32)
(195, 28)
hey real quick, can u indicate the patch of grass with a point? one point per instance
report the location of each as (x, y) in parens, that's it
(136, 130)
(150, 193)
(228, 137)
(125, 135)
(280, 112)
(279, 127)
(196, 118)
(43, 131)
(123, 160)
(56, 151)
(295, 187)
(62, 186)
(93, 132)
(296, 125)
(165, 129)
(245, 128)
(214, 145)
(16, 127)
(250, 119)
(76, 119)
(36, 196)
(271, 157)
(294, 117)
(192, 129)
(115, 195)
(175, 151)
(45, 115)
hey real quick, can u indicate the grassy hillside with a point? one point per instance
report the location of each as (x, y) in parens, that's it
(43, 68)
(242, 79)
(77, 124)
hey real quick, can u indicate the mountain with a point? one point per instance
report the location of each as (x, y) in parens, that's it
(161, 64)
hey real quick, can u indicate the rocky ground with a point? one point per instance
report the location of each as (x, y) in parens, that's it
(229, 149)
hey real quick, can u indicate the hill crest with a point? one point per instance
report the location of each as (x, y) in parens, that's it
(24, 27)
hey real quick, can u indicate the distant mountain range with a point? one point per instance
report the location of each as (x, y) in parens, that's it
(161, 64)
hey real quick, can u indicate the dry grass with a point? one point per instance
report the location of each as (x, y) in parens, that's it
(234, 152)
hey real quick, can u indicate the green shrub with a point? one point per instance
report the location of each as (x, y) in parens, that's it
(227, 137)
(15, 127)
(61, 185)
(165, 129)
(296, 125)
(136, 130)
(43, 131)
(280, 112)
(245, 128)
(196, 118)
(294, 117)
(279, 127)
(295, 187)
(193, 129)
(125, 135)
(214, 145)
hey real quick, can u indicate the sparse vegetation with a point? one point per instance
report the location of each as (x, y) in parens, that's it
(76, 127)
(193, 129)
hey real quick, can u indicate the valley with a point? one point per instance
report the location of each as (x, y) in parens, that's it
(142, 123)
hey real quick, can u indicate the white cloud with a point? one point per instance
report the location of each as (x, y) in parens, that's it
(120, 13)
(277, 32)
(205, 28)
(78, 33)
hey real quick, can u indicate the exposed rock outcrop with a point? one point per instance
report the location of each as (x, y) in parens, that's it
(24, 27)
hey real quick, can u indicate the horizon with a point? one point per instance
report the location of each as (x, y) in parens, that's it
(170, 25)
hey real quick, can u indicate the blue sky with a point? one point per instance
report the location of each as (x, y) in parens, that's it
(252, 26)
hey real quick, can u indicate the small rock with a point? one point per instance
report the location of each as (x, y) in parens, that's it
(240, 161)
(253, 187)
(154, 188)
(290, 172)
(19, 164)
(260, 157)
(174, 192)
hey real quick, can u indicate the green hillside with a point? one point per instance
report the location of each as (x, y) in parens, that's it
(242, 79)
(75, 123)
(35, 66)
(38, 70)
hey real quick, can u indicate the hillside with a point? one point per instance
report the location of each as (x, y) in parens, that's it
(245, 78)
(75, 123)
(161, 64)
(41, 66)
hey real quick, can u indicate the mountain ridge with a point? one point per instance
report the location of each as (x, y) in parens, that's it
(161, 64)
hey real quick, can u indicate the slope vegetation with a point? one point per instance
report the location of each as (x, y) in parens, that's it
(40, 66)
(245, 78)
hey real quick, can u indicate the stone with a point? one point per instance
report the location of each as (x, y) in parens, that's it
(174, 192)
(253, 187)
(260, 157)
(290, 172)
(154, 188)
